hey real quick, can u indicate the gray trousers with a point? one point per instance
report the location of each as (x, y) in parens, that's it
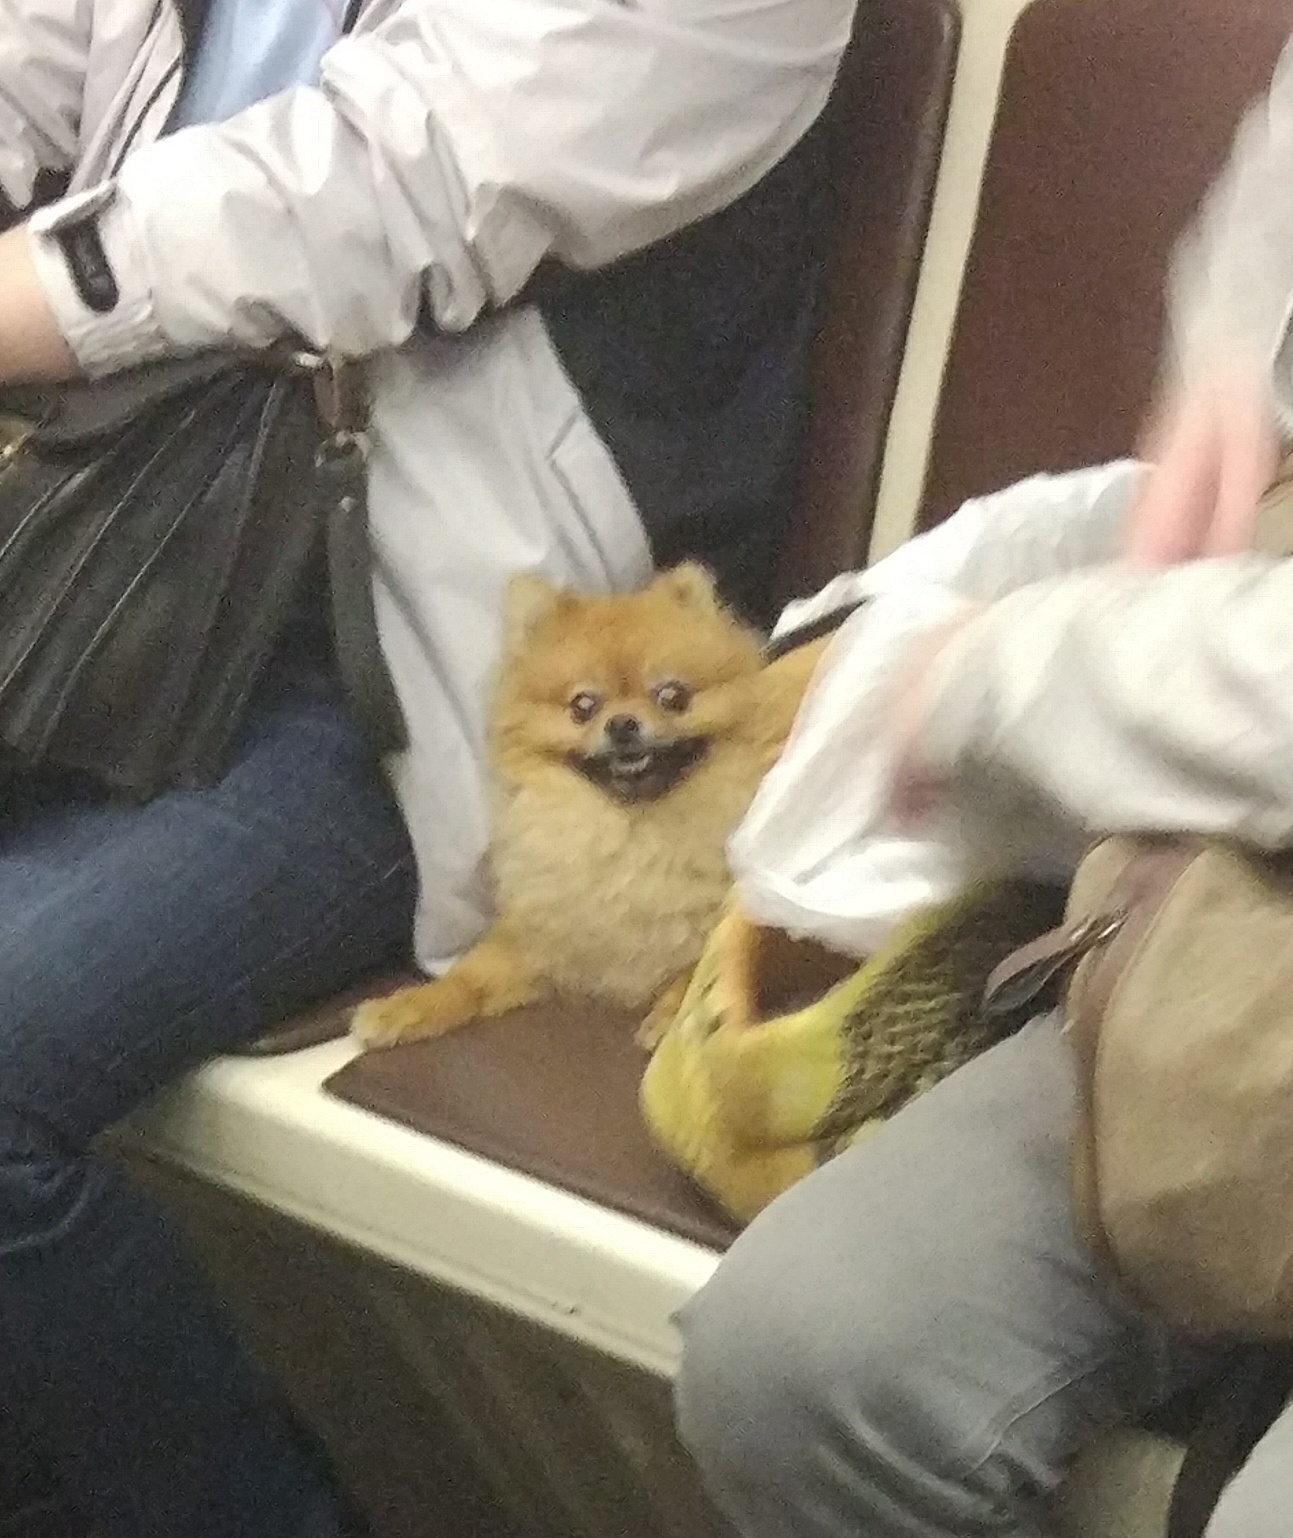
(912, 1343)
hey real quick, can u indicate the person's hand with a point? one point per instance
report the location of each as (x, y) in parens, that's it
(1214, 451)
(914, 789)
(32, 347)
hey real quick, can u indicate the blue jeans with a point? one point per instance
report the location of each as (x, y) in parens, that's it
(134, 942)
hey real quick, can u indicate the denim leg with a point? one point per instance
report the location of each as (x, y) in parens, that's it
(133, 943)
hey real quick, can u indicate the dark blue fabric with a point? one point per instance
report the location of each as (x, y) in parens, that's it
(134, 942)
(691, 358)
(251, 49)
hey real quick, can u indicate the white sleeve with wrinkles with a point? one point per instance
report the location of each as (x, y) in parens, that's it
(1133, 701)
(450, 146)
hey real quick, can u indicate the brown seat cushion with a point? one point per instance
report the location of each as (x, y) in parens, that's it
(551, 1090)
(1113, 118)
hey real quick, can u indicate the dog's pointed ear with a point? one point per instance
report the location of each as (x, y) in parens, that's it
(691, 585)
(530, 599)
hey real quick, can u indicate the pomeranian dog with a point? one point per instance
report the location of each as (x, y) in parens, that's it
(628, 736)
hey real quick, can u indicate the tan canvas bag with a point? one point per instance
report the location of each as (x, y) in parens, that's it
(1180, 1014)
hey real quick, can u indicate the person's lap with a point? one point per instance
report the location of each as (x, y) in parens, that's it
(135, 941)
(913, 1341)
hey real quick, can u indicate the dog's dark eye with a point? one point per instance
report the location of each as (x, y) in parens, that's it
(672, 696)
(584, 706)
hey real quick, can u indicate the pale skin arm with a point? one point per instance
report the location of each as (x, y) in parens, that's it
(1215, 443)
(1214, 449)
(32, 347)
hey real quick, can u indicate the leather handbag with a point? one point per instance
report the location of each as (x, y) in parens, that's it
(1179, 1009)
(157, 530)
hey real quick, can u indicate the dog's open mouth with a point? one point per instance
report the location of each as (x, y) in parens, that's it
(643, 772)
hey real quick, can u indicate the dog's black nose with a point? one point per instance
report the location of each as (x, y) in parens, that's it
(624, 731)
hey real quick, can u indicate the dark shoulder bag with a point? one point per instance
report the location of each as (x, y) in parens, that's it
(155, 531)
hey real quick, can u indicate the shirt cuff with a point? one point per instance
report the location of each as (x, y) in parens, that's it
(127, 332)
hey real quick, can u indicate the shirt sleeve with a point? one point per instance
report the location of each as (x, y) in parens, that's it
(450, 146)
(1130, 701)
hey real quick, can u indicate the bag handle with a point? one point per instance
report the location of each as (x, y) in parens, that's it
(1240, 1410)
(341, 463)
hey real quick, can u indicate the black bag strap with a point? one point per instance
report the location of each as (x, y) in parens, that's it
(1238, 1412)
(811, 630)
(342, 466)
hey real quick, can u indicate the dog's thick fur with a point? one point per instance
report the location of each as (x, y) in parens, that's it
(628, 736)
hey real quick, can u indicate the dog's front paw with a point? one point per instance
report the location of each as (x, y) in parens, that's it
(411, 1014)
(653, 1030)
(663, 1013)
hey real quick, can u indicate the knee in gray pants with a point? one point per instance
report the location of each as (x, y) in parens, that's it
(912, 1342)
(803, 1428)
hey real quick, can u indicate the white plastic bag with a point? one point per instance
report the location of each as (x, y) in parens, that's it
(816, 854)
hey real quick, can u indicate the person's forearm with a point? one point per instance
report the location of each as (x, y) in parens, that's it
(32, 347)
(1132, 701)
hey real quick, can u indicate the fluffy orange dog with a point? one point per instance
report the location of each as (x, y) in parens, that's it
(628, 737)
